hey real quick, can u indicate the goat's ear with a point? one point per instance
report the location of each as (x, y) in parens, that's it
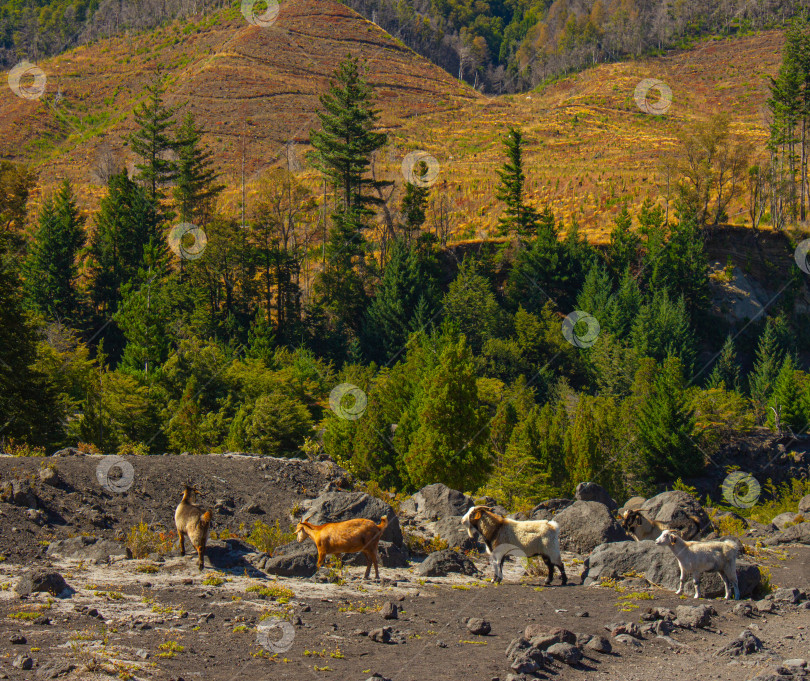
(673, 538)
(476, 515)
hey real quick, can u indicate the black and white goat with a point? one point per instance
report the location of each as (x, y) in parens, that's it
(504, 537)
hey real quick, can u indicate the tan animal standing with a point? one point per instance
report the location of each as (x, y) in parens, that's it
(192, 522)
(348, 536)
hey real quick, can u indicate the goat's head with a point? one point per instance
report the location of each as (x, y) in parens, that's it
(668, 538)
(300, 532)
(472, 517)
(632, 520)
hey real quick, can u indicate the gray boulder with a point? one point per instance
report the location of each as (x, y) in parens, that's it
(546, 510)
(584, 525)
(659, 567)
(442, 563)
(675, 508)
(783, 519)
(437, 501)
(565, 652)
(43, 581)
(590, 491)
(632, 504)
(694, 617)
(795, 534)
(336, 506)
(19, 493)
(293, 560)
(745, 644)
(87, 548)
(804, 506)
(453, 532)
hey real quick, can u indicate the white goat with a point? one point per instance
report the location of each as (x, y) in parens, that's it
(697, 557)
(504, 536)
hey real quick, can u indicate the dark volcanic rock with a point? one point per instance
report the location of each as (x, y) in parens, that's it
(478, 626)
(590, 491)
(43, 581)
(442, 563)
(87, 548)
(745, 644)
(584, 525)
(437, 501)
(293, 560)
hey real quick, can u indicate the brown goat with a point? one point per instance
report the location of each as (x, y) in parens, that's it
(348, 536)
(192, 522)
(640, 527)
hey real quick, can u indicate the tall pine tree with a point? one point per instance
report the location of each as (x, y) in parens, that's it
(51, 268)
(519, 218)
(196, 187)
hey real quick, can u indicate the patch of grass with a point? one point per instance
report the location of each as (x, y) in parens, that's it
(475, 643)
(268, 538)
(143, 540)
(274, 591)
(148, 569)
(27, 616)
(213, 580)
(420, 545)
(766, 584)
(460, 587)
(322, 669)
(109, 595)
(241, 628)
(170, 649)
(637, 596)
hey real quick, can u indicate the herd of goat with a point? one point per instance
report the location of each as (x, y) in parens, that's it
(501, 536)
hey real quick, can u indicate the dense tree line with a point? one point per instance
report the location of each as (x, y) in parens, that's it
(121, 335)
(510, 46)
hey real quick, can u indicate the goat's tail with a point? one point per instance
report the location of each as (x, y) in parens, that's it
(205, 519)
(554, 525)
(383, 524)
(734, 543)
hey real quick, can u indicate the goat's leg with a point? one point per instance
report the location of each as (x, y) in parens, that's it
(696, 582)
(182, 543)
(549, 568)
(201, 555)
(369, 561)
(680, 582)
(376, 566)
(563, 576)
(731, 578)
(494, 561)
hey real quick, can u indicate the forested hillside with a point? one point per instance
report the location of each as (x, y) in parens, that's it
(495, 45)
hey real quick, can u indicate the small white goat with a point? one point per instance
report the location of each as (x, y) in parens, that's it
(697, 557)
(504, 536)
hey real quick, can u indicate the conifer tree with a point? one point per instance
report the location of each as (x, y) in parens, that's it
(624, 244)
(519, 218)
(665, 426)
(625, 306)
(414, 205)
(343, 149)
(152, 140)
(126, 224)
(785, 408)
(51, 268)
(196, 187)
(662, 328)
(767, 364)
(726, 371)
(449, 445)
(404, 290)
